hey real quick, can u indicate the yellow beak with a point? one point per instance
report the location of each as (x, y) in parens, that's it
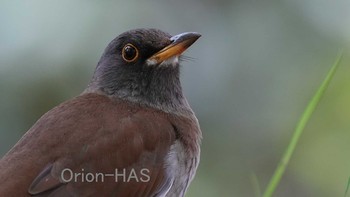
(179, 44)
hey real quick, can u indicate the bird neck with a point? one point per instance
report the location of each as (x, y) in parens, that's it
(158, 88)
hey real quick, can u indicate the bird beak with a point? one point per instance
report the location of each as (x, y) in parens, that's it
(179, 44)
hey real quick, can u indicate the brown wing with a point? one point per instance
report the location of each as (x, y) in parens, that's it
(96, 137)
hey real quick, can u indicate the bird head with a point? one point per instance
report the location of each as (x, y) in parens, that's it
(142, 65)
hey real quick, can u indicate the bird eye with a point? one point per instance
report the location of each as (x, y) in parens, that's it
(130, 53)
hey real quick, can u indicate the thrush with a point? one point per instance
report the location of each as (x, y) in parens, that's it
(130, 133)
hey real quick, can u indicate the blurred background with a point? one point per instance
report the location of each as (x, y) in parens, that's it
(255, 68)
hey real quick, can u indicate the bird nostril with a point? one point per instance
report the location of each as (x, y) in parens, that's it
(174, 38)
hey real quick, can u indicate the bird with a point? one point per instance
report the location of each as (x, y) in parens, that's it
(130, 133)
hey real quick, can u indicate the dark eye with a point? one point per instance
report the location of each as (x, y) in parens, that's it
(130, 53)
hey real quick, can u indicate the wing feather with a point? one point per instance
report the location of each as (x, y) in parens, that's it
(99, 135)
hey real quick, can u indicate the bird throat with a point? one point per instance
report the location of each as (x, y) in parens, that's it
(158, 88)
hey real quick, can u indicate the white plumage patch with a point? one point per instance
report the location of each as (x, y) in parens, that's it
(179, 170)
(173, 61)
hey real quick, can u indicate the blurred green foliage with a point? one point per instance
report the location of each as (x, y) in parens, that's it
(256, 66)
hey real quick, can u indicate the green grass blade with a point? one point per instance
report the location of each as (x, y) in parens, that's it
(274, 181)
(347, 188)
(256, 185)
